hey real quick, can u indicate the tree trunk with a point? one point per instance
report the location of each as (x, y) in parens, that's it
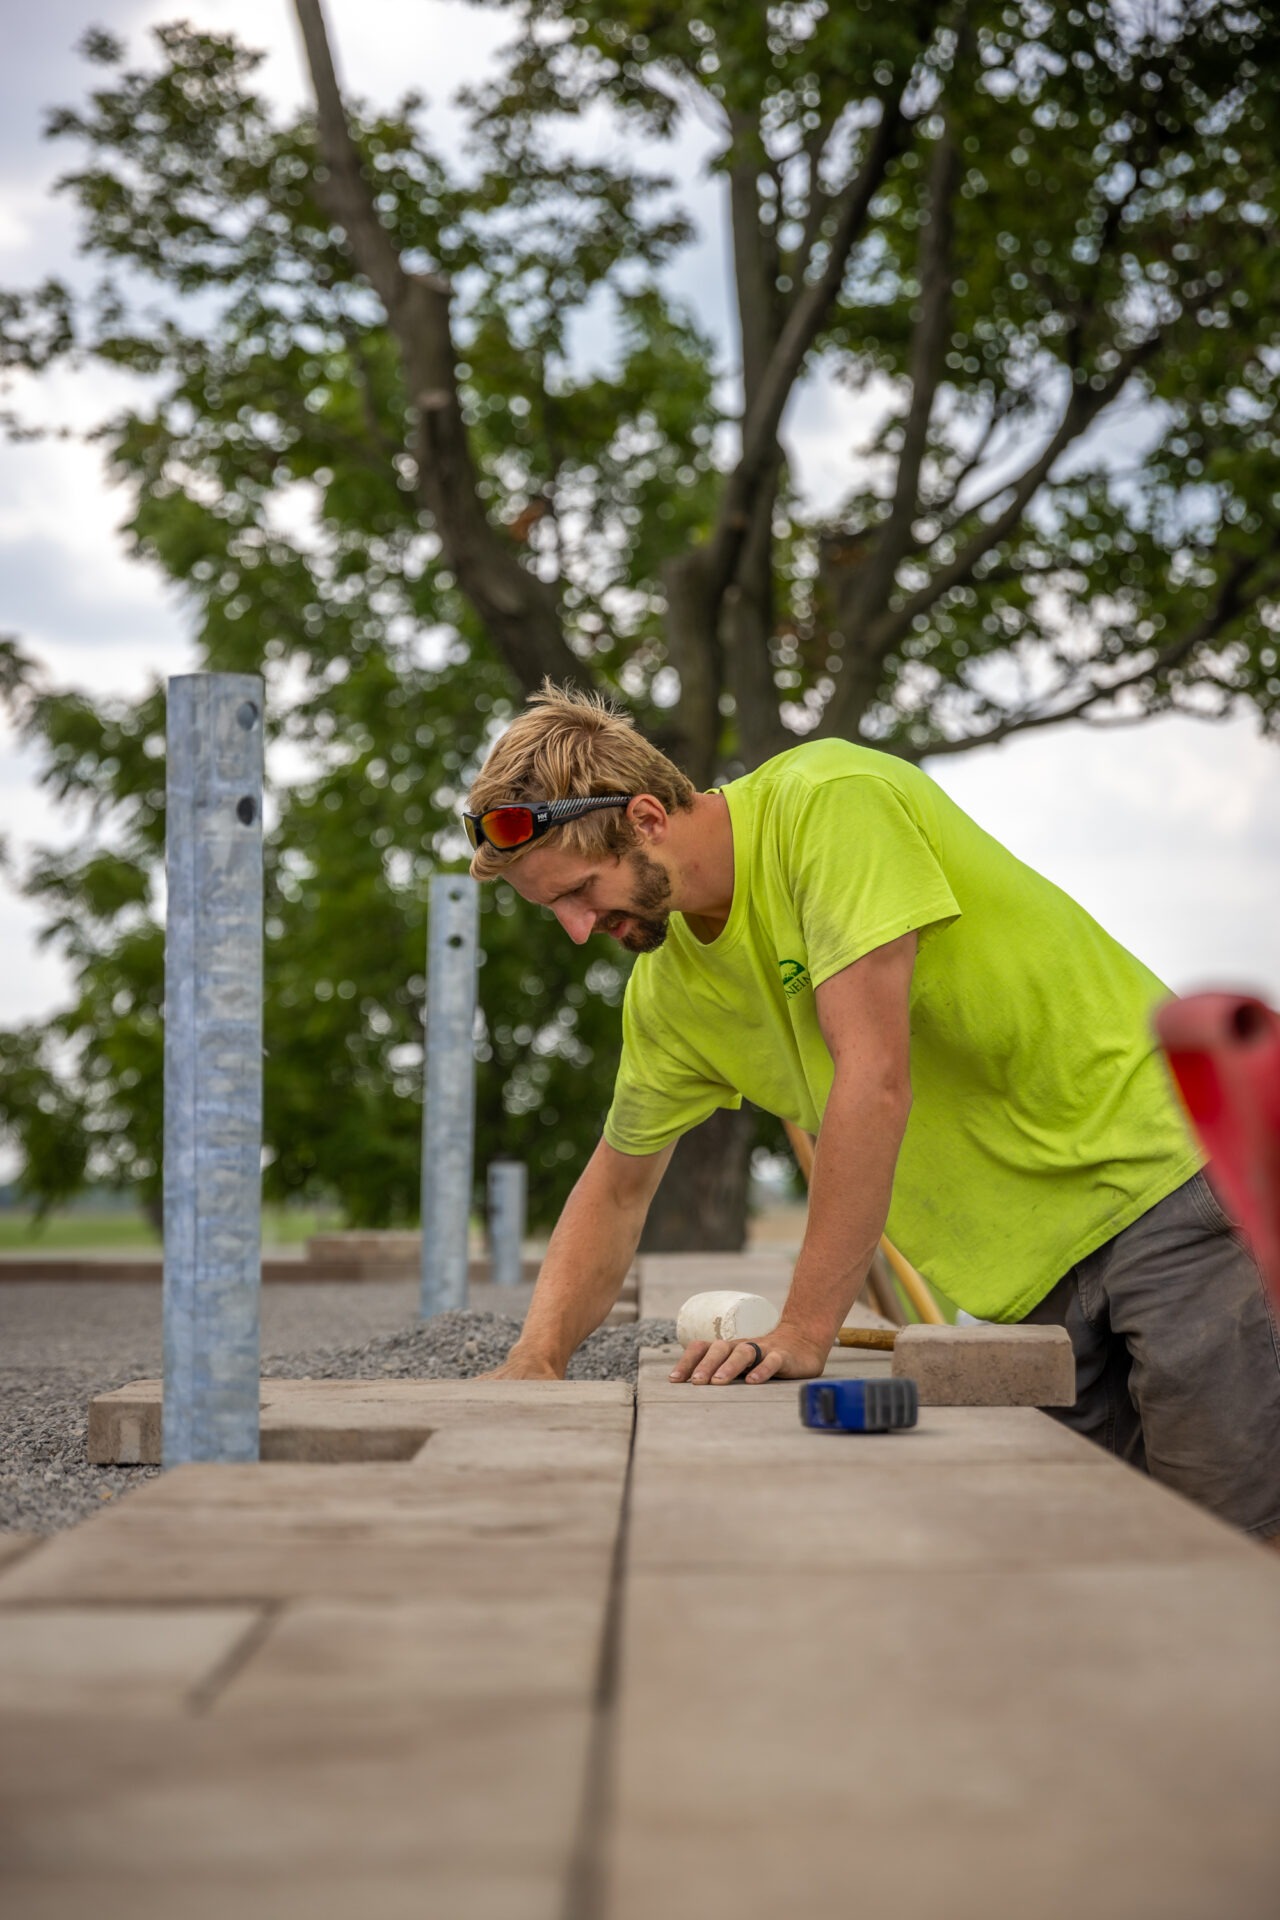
(701, 1206)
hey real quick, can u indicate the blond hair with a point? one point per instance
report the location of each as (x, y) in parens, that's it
(567, 745)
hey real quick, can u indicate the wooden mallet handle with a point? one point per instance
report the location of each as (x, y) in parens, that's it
(882, 1337)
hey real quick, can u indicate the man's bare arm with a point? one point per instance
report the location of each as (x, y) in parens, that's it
(864, 1013)
(593, 1245)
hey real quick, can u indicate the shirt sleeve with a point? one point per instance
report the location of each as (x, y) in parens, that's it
(862, 873)
(661, 1092)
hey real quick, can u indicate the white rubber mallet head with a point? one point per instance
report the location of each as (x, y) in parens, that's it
(725, 1316)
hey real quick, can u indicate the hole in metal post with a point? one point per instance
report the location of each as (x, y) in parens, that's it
(454, 940)
(247, 714)
(247, 810)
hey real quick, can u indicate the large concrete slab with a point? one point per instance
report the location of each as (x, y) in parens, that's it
(134, 1660)
(469, 1807)
(950, 1743)
(256, 1534)
(576, 1449)
(324, 1421)
(863, 1510)
(933, 1673)
(323, 1656)
(773, 1437)
(399, 1715)
(976, 1668)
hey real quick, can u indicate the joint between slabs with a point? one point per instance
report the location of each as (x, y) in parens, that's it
(203, 1696)
(584, 1885)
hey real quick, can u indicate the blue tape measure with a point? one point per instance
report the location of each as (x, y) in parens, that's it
(859, 1406)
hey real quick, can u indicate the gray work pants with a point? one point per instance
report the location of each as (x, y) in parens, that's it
(1178, 1356)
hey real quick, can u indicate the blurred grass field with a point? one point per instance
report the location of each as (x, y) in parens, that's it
(114, 1230)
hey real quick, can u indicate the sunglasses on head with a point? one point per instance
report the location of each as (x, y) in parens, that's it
(505, 828)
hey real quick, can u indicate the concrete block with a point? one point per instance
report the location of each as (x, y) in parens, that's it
(952, 1722)
(470, 1807)
(362, 1423)
(332, 1421)
(945, 1437)
(988, 1366)
(573, 1453)
(359, 1253)
(862, 1508)
(219, 1534)
(327, 1656)
(135, 1660)
(14, 1545)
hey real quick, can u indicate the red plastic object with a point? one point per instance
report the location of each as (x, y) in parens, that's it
(1224, 1049)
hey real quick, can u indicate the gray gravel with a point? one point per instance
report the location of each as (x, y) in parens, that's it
(458, 1346)
(45, 1481)
(60, 1346)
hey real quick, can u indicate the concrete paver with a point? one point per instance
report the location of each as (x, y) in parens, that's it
(399, 1714)
(762, 1424)
(773, 1436)
(91, 1660)
(14, 1545)
(977, 1668)
(322, 1655)
(325, 1421)
(469, 1807)
(348, 1532)
(970, 1670)
(949, 1743)
(850, 1512)
(988, 1366)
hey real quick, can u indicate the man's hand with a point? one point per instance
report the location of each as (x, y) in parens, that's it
(522, 1366)
(787, 1355)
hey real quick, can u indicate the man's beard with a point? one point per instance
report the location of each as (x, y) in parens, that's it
(649, 921)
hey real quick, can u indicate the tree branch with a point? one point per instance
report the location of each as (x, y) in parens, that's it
(882, 634)
(872, 582)
(819, 200)
(754, 262)
(943, 507)
(803, 323)
(347, 198)
(1233, 598)
(518, 610)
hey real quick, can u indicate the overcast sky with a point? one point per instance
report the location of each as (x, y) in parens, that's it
(1169, 833)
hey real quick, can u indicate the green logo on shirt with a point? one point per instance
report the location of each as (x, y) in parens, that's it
(795, 977)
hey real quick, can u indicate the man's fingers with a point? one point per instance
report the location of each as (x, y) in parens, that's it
(771, 1364)
(718, 1362)
(714, 1355)
(689, 1359)
(740, 1359)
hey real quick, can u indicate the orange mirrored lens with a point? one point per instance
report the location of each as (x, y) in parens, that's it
(508, 827)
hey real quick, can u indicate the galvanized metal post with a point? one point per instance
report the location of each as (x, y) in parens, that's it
(213, 1068)
(448, 1120)
(507, 1192)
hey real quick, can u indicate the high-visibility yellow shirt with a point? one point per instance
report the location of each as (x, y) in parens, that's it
(1043, 1119)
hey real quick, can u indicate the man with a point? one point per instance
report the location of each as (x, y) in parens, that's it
(833, 939)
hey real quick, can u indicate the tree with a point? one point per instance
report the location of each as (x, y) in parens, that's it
(1036, 239)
